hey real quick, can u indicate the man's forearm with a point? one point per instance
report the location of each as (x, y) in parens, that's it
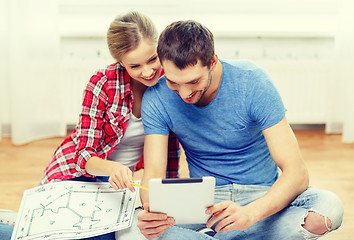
(144, 195)
(155, 161)
(294, 179)
(283, 191)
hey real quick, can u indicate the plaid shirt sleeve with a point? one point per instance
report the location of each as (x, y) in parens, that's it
(173, 156)
(91, 121)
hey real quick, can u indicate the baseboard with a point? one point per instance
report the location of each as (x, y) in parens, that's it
(307, 126)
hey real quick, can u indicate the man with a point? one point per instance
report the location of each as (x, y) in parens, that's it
(231, 123)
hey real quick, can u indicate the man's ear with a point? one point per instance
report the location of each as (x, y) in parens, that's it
(214, 61)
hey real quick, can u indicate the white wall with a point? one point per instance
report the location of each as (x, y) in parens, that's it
(4, 65)
(293, 40)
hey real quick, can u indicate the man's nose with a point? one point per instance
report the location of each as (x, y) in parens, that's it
(184, 92)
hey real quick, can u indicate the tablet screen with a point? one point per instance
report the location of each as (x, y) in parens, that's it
(184, 199)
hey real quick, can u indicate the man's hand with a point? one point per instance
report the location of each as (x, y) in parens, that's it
(153, 225)
(232, 216)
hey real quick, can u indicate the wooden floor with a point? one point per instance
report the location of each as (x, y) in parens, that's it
(330, 163)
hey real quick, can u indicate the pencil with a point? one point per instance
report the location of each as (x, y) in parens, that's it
(137, 185)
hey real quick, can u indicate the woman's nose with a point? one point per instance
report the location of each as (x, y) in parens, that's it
(147, 72)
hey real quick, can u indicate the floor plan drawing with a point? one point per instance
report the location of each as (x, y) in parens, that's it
(73, 210)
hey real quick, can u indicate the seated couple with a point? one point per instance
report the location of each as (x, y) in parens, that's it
(229, 119)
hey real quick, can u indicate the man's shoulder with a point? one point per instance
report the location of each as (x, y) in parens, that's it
(244, 70)
(240, 64)
(159, 88)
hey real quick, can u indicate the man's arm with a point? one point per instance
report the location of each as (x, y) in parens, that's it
(293, 181)
(294, 178)
(153, 225)
(155, 160)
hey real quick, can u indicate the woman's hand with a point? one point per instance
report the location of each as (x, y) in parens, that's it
(120, 177)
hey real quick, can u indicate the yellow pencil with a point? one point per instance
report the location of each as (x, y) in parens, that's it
(137, 185)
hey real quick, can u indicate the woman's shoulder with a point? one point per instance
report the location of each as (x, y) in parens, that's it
(112, 71)
(111, 74)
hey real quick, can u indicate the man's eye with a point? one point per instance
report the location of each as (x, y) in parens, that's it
(194, 82)
(135, 66)
(153, 59)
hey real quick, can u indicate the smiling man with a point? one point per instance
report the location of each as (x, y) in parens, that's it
(231, 123)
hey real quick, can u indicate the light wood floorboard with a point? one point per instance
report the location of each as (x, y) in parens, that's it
(330, 163)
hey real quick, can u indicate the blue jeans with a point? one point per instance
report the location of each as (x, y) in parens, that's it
(286, 224)
(5, 231)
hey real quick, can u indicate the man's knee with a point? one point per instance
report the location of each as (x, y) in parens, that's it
(316, 223)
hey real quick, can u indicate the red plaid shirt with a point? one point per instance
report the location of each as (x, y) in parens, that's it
(107, 104)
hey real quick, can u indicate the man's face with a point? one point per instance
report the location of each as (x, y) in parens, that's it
(190, 83)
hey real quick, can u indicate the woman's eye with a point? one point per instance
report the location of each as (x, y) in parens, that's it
(153, 59)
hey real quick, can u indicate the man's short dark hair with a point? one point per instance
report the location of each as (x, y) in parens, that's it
(186, 42)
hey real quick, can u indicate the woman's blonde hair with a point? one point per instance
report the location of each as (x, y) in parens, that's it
(126, 31)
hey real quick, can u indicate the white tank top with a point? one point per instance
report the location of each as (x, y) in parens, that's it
(130, 148)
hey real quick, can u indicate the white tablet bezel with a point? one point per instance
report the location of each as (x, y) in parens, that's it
(184, 199)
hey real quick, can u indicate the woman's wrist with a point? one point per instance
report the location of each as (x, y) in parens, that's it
(100, 167)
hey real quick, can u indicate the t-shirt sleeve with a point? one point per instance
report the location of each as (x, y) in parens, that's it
(153, 114)
(266, 105)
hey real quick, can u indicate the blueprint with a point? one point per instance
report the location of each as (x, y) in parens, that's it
(73, 210)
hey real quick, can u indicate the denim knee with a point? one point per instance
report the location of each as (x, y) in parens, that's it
(332, 208)
(323, 202)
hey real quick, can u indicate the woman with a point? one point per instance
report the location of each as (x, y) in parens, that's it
(110, 126)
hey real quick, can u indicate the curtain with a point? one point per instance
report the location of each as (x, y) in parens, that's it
(341, 108)
(31, 81)
(33, 94)
(4, 22)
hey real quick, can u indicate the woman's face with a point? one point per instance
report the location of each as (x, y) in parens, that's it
(142, 63)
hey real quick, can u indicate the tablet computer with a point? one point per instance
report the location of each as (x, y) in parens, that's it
(184, 199)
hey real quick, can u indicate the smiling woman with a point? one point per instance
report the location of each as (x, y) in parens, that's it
(108, 115)
(108, 140)
(140, 66)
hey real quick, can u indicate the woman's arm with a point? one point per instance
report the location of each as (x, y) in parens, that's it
(120, 176)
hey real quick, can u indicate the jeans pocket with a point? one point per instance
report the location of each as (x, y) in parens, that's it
(223, 193)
